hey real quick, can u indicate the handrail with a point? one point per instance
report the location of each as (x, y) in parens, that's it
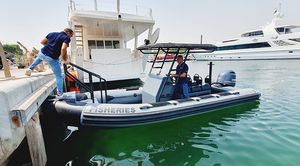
(89, 88)
(108, 5)
(155, 58)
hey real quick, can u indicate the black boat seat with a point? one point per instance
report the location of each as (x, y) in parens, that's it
(200, 90)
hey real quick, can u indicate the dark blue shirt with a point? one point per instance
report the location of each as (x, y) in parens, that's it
(183, 68)
(55, 41)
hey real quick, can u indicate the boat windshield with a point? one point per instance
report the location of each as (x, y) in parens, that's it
(287, 30)
(283, 30)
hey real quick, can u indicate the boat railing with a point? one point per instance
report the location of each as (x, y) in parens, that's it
(109, 5)
(90, 86)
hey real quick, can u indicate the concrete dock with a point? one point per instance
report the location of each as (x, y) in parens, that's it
(20, 100)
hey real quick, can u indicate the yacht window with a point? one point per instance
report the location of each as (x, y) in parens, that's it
(91, 45)
(258, 33)
(282, 43)
(280, 30)
(296, 40)
(245, 35)
(243, 46)
(116, 44)
(226, 41)
(108, 44)
(288, 30)
(283, 30)
(255, 33)
(100, 44)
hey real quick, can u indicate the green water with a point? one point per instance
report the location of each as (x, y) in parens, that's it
(266, 132)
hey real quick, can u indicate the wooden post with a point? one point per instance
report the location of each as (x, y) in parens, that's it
(36, 141)
(4, 62)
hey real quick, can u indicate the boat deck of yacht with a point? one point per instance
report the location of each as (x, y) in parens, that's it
(269, 43)
(101, 39)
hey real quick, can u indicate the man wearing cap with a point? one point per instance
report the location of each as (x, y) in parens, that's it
(181, 87)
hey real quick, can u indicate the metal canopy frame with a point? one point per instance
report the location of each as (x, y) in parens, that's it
(199, 48)
(175, 49)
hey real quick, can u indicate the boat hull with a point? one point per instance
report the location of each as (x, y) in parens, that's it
(126, 115)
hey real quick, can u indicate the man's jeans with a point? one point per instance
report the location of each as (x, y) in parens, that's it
(55, 66)
(181, 91)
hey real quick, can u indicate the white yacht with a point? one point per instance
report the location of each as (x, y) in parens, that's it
(270, 42)
(101, 37)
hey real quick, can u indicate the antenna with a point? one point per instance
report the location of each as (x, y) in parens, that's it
(277, 14)
(118, 6)
(95, 5)
(201, 39)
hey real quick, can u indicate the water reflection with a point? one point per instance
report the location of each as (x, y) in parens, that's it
(185, 141)
(136, 158)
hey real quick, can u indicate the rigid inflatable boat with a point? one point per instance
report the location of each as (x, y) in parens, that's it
(153, 102)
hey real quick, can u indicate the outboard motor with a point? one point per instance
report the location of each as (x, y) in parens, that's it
(226, 78)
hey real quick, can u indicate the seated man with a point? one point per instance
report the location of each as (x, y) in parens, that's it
(181, 87)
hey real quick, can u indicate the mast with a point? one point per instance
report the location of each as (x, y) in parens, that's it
(95, 5)
(277, 14)
(201, 39)
(118, 6)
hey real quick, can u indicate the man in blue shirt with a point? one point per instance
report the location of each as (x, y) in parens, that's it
(181, 87)
(55, 45)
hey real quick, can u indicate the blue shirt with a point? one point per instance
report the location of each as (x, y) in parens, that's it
(55, 41)
(183, 68)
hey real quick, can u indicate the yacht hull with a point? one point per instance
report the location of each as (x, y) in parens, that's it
(293, 53)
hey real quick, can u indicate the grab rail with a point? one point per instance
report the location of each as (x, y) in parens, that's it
(89, 88)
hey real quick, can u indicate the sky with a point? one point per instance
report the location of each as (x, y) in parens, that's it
(179, 20)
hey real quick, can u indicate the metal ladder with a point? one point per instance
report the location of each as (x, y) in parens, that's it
(79, 36)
